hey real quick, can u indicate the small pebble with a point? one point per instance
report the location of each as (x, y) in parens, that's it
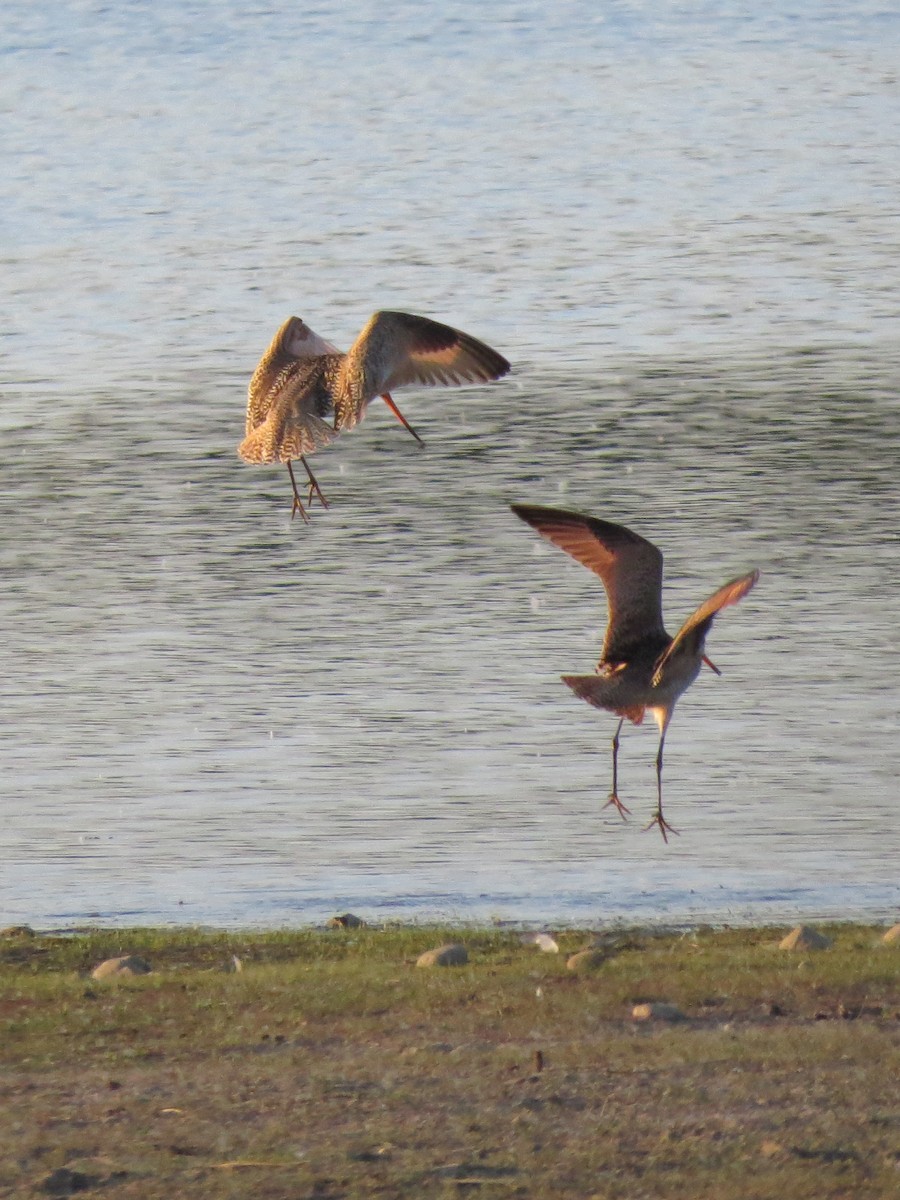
(451, 955)
(658, 1010)
(127, 964)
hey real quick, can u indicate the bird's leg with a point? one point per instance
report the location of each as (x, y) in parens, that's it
(614, 794)
(658, 819)
(298, 503)
(314, 489)
(389, 401)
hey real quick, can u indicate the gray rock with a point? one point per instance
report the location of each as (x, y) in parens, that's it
(804, 937)
(346, 921)
(122, 967)
(451, 955)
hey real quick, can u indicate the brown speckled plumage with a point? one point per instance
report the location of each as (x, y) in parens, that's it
(302, 380)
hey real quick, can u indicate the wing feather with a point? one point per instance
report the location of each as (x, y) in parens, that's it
(398, 349)
(294, 342)
(630, 567)
(280, 438)
(691, 636)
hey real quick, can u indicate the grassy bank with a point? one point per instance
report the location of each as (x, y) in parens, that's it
(330, 1066)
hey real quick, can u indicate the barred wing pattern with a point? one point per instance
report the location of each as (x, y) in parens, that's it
(294, 341)
(287, 403)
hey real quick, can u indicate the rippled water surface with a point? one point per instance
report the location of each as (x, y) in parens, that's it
(680, 225)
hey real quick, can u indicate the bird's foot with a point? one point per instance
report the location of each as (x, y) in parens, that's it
(315, 490)
(664, 827)
(298, 508)
(614, 800)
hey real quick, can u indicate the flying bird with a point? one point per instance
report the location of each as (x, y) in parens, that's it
(305, 392)
(641, 667)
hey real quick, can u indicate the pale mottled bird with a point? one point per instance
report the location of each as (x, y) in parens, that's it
(641, 667)
(304, 392)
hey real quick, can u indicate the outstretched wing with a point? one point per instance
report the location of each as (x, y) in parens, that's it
(294, 342)
(398, 349)
(691, 636)
(631, 569)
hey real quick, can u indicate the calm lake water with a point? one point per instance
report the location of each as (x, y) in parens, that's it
(680, 224)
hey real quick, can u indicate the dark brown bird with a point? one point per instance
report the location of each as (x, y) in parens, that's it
(641, 667)
(302, 381)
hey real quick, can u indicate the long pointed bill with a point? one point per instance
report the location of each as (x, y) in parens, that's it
(712, 666)
(389, 401)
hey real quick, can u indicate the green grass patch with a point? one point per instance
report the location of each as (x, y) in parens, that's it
(331, 1066)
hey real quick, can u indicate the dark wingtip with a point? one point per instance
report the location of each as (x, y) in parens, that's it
(538, 514)
(529, 513)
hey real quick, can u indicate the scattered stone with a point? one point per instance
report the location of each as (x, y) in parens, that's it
(17, 931)
(658, 1010)
(346, 921)
(770, 1149)
(451, 955)
(122, 967)
(543, 941)
(234, 966)
(587, 960)
(804, 937)
(775, 1010)
(891, 938)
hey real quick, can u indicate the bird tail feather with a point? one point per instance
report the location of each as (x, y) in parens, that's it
(604, 692)
(271, 442)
